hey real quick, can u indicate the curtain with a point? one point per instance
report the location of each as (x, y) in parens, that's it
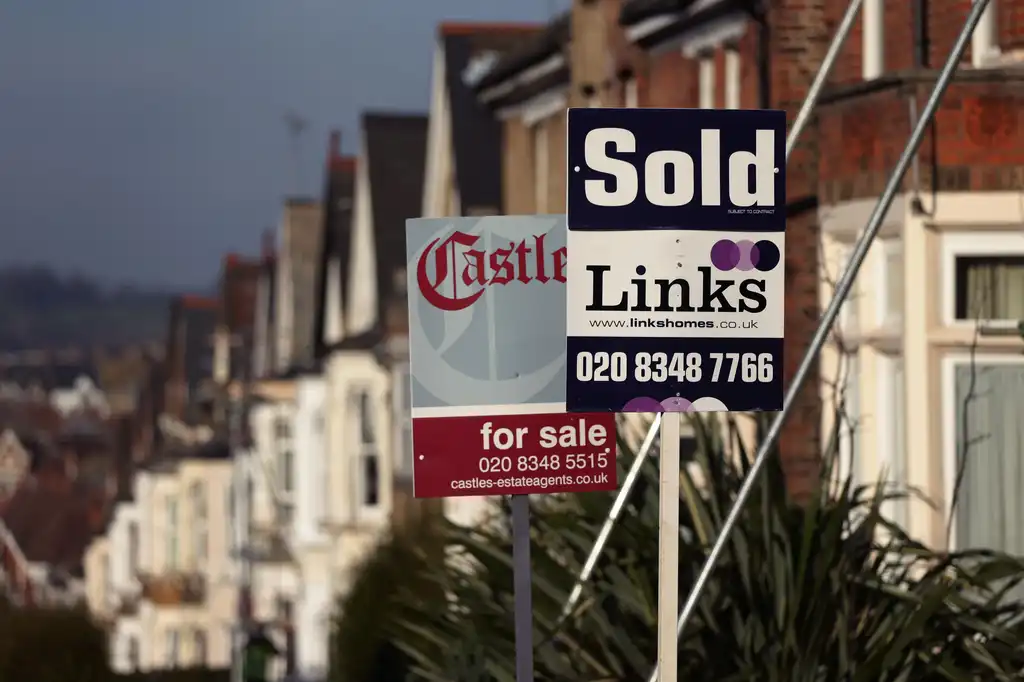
(990, 441)
(993, 290)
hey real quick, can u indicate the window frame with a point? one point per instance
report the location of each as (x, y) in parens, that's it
(950, 419)
(886, 248)
(362, 401)
(200, 522)
(991, 243)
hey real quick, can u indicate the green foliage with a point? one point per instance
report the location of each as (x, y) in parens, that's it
(51, 645)
(826, 592)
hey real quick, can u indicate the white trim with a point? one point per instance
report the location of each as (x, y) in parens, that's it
(984, 41)
(535, 72)
(487, 410)
(732, 77)
(714, 34)
(706, 82)
(949, 418)
(872, 39)
(952, 245)
(544, 106)
(648, 26)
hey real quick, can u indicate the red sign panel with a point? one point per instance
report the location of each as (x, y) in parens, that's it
(513, 454)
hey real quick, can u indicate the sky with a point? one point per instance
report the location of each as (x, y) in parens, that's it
(142, 140)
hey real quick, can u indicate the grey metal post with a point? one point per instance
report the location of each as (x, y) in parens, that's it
(857, 257)
(802, 117)
(522, 580)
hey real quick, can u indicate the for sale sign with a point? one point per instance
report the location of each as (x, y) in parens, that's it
(487, 356)
(676, 236)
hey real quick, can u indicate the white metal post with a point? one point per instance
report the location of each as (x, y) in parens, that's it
(668, 547)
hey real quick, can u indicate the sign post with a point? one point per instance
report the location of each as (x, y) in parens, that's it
(487, 365)
(675, 287)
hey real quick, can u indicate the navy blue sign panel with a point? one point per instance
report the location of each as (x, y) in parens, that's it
(675, 289)
(696, 169)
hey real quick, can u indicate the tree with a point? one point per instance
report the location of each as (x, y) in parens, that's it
(827, 591)
(51, 645)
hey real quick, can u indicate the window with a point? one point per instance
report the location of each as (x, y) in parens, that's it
(732, 77)
(173, 644)
(540, 167)
(849, 427)
(369, 463)
(873, 39)
(984, 433)
(198, 647)
(172, 532)
(200, 525)
(891, 281)
(318, 421)
(848, 317)
(133, 654)
(706, 80)
(133, 548)
(285, 456)
(990, 288)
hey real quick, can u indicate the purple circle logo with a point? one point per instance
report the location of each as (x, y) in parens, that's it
(745, 255)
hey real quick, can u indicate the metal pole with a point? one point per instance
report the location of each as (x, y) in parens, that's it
(523, 585)
(613, 516)
(831, 55)
(857, 257)
(802, 117)
(668, 547)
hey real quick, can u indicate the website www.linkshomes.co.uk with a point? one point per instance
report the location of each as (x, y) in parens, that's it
(664, 323)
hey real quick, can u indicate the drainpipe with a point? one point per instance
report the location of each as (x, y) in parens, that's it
(764, 70)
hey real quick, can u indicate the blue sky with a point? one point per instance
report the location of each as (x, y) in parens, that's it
(140, 140)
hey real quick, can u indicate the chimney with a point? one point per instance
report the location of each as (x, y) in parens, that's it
(267, 245)
(334, 146)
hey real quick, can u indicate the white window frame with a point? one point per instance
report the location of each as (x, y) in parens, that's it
(364, 450)
(706, 80)
(949, 364)
(985, 49)
(733, 79)
(872, 39)
(888, 414)
(284, 467)
(981, 243)
(886, 248)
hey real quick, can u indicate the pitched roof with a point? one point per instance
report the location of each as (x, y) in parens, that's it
(476, 133)
(530, 52)
(339, 191)
(396, 146)
(52, 522)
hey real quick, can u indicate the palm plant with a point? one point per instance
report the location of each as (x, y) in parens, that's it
(822, 592)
